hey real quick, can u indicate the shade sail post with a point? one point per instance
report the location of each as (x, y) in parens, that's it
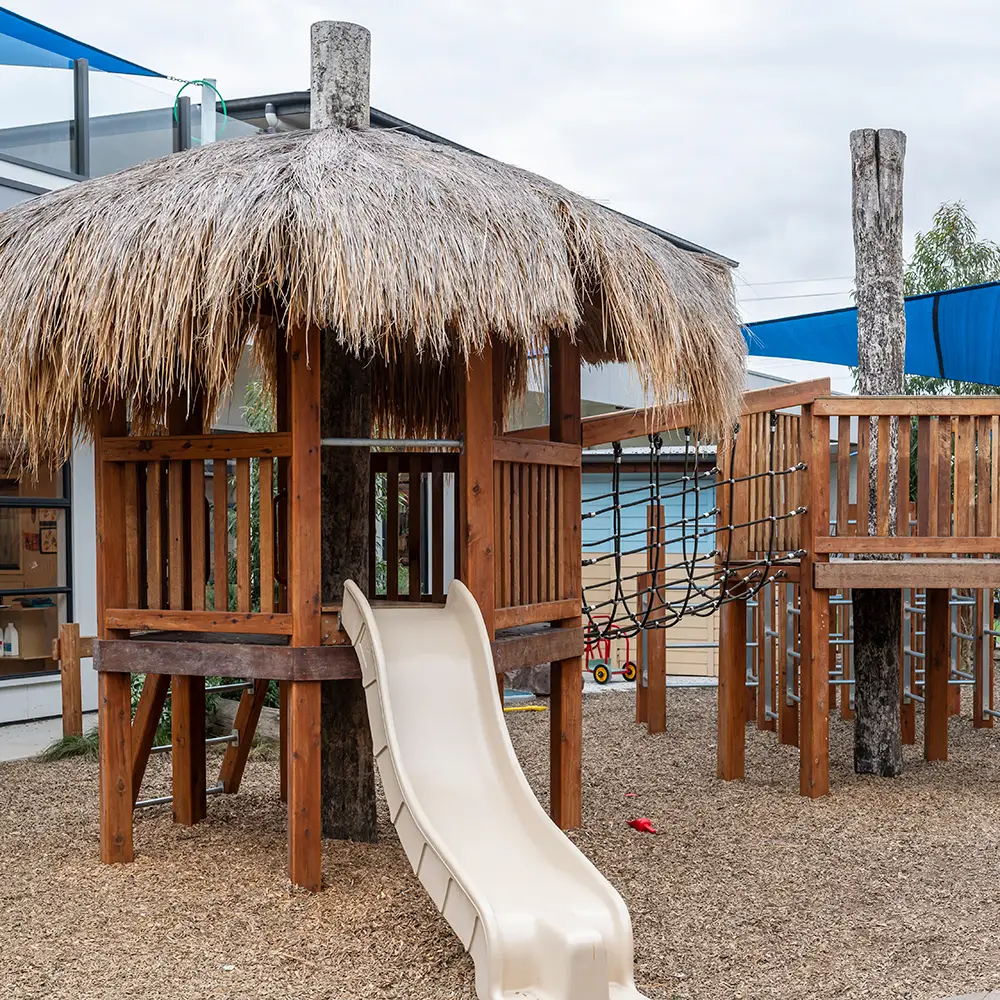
(341, 75)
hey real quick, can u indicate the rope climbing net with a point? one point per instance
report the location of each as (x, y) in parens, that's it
(691, 523)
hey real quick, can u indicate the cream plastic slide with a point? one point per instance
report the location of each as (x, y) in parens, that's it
(539, 920)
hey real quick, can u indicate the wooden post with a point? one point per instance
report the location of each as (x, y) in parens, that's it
(283, 740)
(566, 699)
(877, 172)
(187, 700)
(475, 477)
(732, 691)
(304, 582)
(283, 423)
(341, 57)
(642, 645)
(499, 385)
(114, 691)
(187, 734)
(68, 648)
(937, 665)
(656, 640)
(814, 622)
(114, 721)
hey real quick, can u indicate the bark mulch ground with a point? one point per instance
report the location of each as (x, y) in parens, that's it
(887, 889)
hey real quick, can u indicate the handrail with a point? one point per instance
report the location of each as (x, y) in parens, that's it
(604, 428)
(195, 446)
(906, 406)
(239, 622)
(528, 452)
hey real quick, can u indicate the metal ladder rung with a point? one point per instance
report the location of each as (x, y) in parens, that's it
(233, 737)
(163, 800)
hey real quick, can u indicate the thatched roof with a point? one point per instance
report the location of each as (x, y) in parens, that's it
(151, 281)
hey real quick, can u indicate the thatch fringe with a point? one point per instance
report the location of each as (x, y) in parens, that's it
(149, 283)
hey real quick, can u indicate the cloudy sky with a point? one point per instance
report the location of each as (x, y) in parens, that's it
(724, 122)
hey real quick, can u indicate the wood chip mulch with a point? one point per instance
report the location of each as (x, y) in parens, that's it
(886, 889)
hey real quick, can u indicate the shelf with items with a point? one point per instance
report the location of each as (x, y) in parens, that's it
(36, 628)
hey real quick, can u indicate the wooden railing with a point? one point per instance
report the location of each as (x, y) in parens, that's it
(945, 454)
(768, 441)
(532, 539)
(603, 428)
(397, 494)
(202, 547)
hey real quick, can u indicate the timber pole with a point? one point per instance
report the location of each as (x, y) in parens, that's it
(877, 210)
(339, 98)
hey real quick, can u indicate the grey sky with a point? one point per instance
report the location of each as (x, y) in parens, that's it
(724, 122)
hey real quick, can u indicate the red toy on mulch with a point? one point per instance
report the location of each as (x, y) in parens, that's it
(642, 824)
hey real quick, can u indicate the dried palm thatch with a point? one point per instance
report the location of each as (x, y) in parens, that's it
(151, 282)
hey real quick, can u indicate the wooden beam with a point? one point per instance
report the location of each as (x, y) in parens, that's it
(937, 666)
(905, 406)
(245, 725)
(241, 659)
(899, 574)
(528, 646)
(200, 446)
(305, 570)
(539, 433)
(527, 452)
(248, 623)
(914, 545)
(305, 605)
(147, 717)
(604, 428)
(532, 614)
(69, 674)
(566, 698)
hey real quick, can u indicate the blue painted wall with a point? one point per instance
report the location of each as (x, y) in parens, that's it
(634, 518)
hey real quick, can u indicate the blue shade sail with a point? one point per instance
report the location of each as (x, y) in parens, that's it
(953, 334)
(24, 42)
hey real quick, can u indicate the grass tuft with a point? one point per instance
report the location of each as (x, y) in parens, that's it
(72, 746)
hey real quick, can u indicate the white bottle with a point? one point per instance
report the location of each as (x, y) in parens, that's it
(11, 642)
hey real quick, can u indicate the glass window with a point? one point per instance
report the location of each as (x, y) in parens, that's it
(11, 196)
(38, 113)
(35, 595)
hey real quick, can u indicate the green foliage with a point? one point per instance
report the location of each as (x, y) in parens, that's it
(72, 746)
(949, 255)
